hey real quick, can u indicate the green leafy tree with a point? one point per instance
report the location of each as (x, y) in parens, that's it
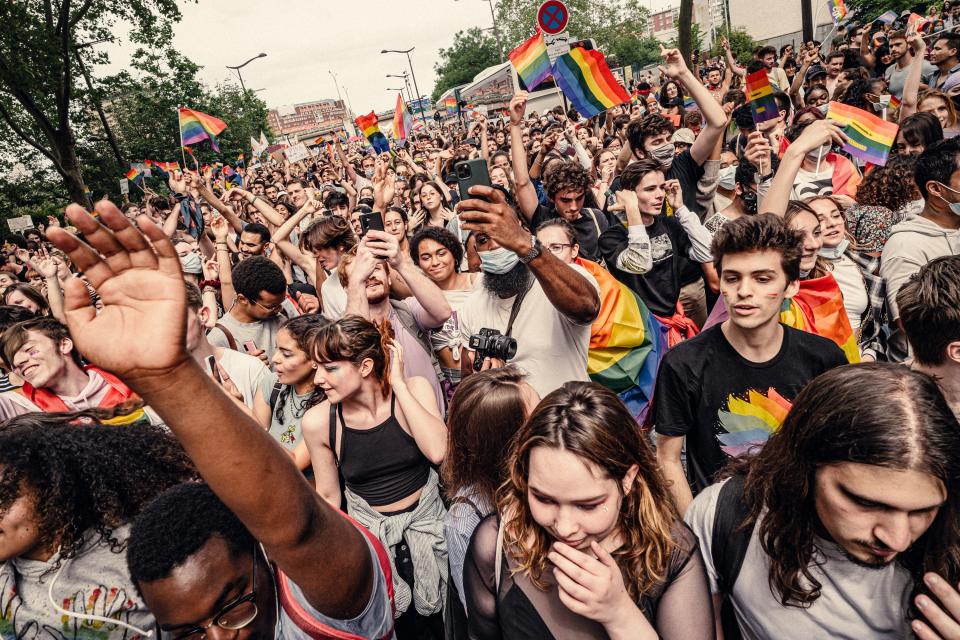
(741, 43)
(39, 94)
(618, 27)
(472, 51)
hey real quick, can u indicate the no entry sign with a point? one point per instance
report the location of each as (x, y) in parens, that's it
(552, 17)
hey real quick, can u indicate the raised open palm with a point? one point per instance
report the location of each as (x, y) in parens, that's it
(139, 334)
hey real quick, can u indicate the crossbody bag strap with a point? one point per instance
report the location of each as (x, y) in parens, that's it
(333, 434)
(515, 309)
(231, 341)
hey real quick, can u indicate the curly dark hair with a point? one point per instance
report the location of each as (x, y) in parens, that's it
(878, 414)
(567, 176)
(302, 329)
(650, 125)
(84, 477)
(257, 274)
(196, 514)
(440, 236)
(891, 185)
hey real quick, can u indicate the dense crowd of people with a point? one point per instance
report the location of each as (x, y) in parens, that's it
(667, 373)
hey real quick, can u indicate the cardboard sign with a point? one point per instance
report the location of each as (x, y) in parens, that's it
(124, 187)
(297, 152)
(20, 224)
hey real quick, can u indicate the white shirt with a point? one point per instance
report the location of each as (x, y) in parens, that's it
(245, 371)
(852, 286)
(334, 297)
(551, 348)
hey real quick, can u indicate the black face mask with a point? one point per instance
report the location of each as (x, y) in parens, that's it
(749, 200)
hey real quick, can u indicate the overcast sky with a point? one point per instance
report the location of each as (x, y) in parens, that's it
(304, 39)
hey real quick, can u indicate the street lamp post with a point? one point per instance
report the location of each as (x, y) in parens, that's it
(496, 29)
(405, 83)
(241, 66)
(413, 74)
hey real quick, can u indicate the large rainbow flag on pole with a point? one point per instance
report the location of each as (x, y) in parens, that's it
(586, 80)
(626, 343)
(369, 125)
(196, 126)
(869, 137)
(531, 61)
(402, 120)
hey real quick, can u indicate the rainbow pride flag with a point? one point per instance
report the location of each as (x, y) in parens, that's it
(626, 343)
(132, 175)
(763, 107)
(531, 61)
(369, 125)
(838, 10)
(586, 80)
(818, 308)
(402, 120)
(450, 104)
(196, 126)
(869, 137)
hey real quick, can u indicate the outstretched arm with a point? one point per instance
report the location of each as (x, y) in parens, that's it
(525, 192)
(143, 294)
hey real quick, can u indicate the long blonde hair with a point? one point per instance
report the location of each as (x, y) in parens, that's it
(592, 423)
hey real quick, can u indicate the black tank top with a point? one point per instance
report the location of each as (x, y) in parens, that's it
(384, 464)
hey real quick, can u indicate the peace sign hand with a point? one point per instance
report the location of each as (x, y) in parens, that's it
(140, 333)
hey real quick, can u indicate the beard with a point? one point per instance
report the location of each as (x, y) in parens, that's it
(509, 284)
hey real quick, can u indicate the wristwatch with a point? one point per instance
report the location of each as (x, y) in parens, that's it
(534, 250)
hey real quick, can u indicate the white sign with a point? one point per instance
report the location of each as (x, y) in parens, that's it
(20, 224)
(124, 187)
(297, 152)
(557, 45)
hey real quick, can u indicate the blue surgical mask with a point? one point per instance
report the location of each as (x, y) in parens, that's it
(727, 178)
(954, 206)
(498, 261)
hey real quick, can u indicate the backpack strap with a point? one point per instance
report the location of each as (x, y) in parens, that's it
(498, 555)
(231, 341)
(275, 393)
(332, 438)
(730, 538)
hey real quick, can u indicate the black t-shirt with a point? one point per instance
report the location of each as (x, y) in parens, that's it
(659, 287)
(585, 227)
(723, 403)
(685, 170)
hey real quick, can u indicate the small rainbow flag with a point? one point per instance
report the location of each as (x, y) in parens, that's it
(368, 124)
(760, 94)
(240, 157)
(132, 175)
(894, 103)
(196, 126)
(450, 104)
(838, 10)
(869, 137)
(887, 17)
(402, 120)
(626, 343)
(818, 308)
(531, 61)
(689, 104)
(585, 79)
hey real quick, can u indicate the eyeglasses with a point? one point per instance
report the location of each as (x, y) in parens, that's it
(271, 309)
(558, 247)
(233, 616)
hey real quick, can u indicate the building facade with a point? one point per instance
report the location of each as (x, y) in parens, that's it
(306, 116)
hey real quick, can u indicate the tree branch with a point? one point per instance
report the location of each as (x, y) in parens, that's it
(48, 14)
(66, 80)
(25, 100)
(81, 12)
(29, 139)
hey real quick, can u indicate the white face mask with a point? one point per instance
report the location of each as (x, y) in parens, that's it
(498, 261)
(727, 178)
(834, 253)
(819, 153)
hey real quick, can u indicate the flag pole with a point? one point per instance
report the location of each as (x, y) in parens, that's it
(180, 129)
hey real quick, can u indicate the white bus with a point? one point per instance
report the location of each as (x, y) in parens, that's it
(494, 86)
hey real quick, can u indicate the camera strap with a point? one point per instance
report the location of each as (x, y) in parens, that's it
(515, 309)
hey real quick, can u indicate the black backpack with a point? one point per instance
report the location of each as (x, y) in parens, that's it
(728, 544)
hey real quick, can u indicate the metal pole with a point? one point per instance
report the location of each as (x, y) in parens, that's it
(496, 31)
(423, 118)
(242, 88)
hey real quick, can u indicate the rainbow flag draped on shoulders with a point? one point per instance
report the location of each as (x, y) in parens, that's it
(586, 80)
(626, 343)
(818, 308)
(369, 125)
(196, 126)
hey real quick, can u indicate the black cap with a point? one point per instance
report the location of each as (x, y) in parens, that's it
(814, 72)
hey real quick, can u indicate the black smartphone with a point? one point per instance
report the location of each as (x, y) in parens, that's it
(372, 220)
(471, 173)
